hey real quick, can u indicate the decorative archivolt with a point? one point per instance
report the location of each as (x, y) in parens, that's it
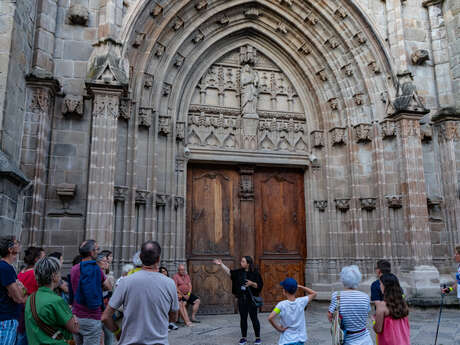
(335, 54)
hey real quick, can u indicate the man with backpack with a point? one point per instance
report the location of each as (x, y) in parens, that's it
(88, 281)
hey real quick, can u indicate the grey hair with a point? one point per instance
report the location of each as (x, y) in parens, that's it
(351, 276)
(86, 248)
(44, 270)
(126, 268)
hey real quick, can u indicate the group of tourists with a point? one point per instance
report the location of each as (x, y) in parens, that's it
(38, 306)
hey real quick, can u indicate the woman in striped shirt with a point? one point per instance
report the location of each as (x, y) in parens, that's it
(354, 308)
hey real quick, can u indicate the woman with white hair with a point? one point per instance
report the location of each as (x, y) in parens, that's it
(48, 317)
(354, 308)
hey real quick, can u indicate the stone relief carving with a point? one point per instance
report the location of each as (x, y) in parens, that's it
(246, 184)
(419, 56)
(125, 109)
(199, 36)
(317, 138)
(286, 2)
(359, 99)
(348, 69)
(394, 201)
(322, 74)
(105, 105)
(321, 205)
(72, 105)
(368, 204)
(201, 5)
(66, 192)
(166, 89)
(363, 132)
(78, 14)
(360, 37)
(338, 135)
(333, 103)
(252, 13)
(305, 48)
(332, 42)
(343, 205)
(40, 101)
(388, 129)
(164, 127)
(178, 23)
(341, 12)
(140, 36)
(281, 27)
(180, 131)
(310, 18)
(249, 90)
(224, 20)
(179, 60)
(159, 49)
(374, 67)
(156, 11)
(407, 98)
(179, 202)
(148, 81)
(145, 116)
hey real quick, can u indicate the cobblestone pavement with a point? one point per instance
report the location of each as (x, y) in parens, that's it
(224, 329)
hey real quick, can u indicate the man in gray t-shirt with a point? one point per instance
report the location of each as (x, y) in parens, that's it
(149, 301)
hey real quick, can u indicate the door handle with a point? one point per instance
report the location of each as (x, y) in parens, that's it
(295, 217)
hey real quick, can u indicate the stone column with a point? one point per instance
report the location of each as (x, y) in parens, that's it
(41, 90)
(448, 132)
(101, 179)
(451, 11)
(439, 44)
(247, 224)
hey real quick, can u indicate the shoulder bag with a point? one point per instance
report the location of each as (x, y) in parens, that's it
(256, 300)
(47, 329)
(338, 336)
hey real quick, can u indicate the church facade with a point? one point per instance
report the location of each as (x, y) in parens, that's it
(307, 134)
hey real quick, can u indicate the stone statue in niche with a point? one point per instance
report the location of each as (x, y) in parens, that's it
(249, 90)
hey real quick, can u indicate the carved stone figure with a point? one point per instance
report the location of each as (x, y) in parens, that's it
(78, 14)
(249, 90)
(72, 105)
(420, 56)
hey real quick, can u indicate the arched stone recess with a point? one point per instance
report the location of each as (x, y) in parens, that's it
(339, 70)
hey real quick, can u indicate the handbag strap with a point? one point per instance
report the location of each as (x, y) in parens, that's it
(49, 331)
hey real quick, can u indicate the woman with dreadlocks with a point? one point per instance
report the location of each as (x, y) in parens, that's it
(391, 318)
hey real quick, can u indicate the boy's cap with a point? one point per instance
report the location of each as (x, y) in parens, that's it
(290, 285)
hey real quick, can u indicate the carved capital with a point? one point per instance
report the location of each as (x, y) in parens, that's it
(321, 205)
(388, 129)
(368, 204)
(106, 105)
(338, 135)
(72, 105)
(394, 201)
(363, 132)
(120, 193)
(449, 131)
(40, 101)
(317, 139)
(141, 197)
(78, 14)
(161, 200)
(343, 205)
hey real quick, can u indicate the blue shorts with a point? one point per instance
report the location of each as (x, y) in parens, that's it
(298, 343)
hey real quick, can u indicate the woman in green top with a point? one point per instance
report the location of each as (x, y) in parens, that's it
(53, 313)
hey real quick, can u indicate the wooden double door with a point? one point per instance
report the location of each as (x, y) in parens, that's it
(235, 211)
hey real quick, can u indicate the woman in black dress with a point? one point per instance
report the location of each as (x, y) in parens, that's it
(245, 281)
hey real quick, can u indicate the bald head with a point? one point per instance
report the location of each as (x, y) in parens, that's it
(181, 270)
(150, 253)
